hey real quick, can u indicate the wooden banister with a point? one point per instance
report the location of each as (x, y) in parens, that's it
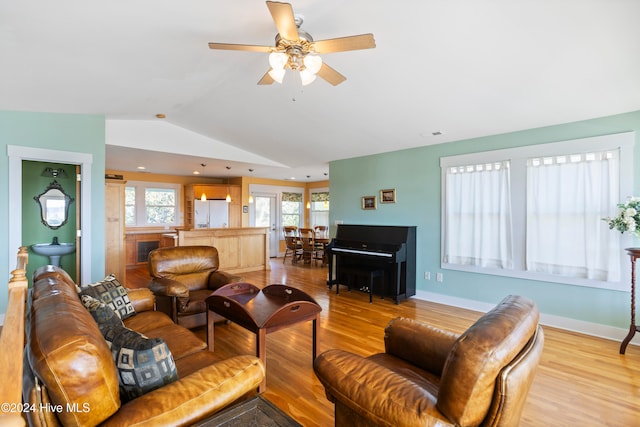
(12, 345)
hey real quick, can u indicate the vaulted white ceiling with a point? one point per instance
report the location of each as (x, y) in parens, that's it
(466, 68)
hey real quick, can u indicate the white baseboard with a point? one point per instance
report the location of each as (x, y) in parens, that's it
(573, 325)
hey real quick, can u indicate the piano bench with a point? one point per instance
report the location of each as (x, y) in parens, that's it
(370, 273)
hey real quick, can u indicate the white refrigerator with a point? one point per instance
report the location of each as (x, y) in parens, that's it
(211, 214)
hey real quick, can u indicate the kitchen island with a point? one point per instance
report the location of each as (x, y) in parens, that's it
(240, 249)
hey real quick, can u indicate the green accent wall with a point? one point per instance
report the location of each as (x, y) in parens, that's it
(52, 131)
(415, 174)
(33, 230)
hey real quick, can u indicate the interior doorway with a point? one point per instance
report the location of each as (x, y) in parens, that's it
(58, 219)
(265, 214)
(84, 160)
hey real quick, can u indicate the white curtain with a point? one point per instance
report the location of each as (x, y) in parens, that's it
(567, 197)
(478, 216)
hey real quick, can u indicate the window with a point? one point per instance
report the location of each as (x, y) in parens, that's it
(319, 208)
(291, 208)
(567, 197)
(478, 221)
(150, 204)
(536, 211)
(130, 206)
(160, 204)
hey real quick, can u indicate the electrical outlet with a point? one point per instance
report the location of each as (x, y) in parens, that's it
(439, 277)
(427, 275)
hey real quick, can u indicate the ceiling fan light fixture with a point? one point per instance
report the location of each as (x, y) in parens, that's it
(313, 63)
(278, 60)
(293, 47)
(277, 75)
(307, 77)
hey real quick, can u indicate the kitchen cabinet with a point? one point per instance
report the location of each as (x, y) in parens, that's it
(114, 238)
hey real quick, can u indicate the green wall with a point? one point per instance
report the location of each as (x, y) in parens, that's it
(415, 174)
(33, 230)
(62, 132)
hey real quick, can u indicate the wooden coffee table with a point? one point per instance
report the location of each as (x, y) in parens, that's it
(262, 311)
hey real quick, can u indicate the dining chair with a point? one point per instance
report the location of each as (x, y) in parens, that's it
(306, 237)
(321, 241)
(292, 245)
(321, 231)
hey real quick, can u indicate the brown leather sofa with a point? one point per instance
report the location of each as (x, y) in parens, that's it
(71, 379)
(182, 277)
(430, 377)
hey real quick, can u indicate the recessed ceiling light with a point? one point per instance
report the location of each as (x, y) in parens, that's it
(141, 168)
(161, 116)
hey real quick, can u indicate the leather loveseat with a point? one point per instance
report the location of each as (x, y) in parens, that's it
(182, 277)
(431, 377)
(71, 379)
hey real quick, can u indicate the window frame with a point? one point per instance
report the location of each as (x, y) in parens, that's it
(314, 212)
(141, 207)
(518, 157)
(300, 212)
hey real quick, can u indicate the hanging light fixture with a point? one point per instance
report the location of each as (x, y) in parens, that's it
(250, 194)
(203, 197)
(228, 198)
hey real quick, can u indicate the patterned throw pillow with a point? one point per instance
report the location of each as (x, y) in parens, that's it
(102, 313)
(111, 292)
(143, 364)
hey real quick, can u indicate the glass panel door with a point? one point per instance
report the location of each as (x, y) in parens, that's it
(265, 216)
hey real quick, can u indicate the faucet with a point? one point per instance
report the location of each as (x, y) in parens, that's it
(55, 241)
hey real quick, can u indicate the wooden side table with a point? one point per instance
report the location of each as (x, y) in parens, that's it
(634, 253)
(263, 311)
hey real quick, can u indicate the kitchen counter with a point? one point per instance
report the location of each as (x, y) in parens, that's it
(240, 249)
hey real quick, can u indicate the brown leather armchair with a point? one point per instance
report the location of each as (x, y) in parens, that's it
(428, 376)
(182, 277)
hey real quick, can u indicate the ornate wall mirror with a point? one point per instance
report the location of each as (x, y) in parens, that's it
(54, 206)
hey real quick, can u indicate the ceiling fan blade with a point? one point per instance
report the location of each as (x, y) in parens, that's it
(341, 44)
(245, 47)
(266, 79)
(331, 75)
(282, 14)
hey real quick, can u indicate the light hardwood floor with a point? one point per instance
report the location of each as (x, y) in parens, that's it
(581, 381)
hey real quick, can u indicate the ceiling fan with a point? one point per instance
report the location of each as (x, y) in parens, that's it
(295, 49)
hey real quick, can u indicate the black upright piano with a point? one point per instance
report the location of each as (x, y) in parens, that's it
(392, 248)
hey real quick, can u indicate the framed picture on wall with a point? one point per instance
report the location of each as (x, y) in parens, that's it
(388, 196)
(368, 202)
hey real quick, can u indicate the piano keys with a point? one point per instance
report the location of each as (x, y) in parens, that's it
(392, 248)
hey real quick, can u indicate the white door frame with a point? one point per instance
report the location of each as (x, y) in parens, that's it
(274, 239)
(19, 153)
